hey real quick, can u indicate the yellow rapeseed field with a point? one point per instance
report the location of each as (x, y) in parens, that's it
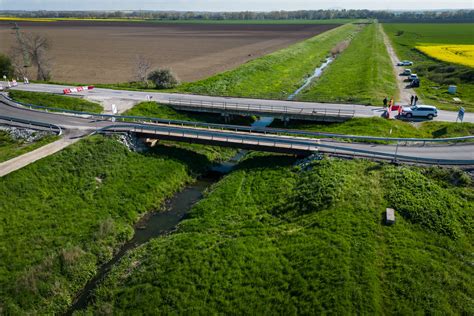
(16, 19)
(458, 54)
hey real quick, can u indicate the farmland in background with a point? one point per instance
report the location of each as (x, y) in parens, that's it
(436, 75)
(362, 74)
(277, 75)
(92, 52)
(190, 21)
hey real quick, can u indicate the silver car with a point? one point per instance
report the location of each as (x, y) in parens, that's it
(425, 111)
(405, 63)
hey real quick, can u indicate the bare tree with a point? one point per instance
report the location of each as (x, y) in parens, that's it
(142, 68)
(35, 47)
(18, 62)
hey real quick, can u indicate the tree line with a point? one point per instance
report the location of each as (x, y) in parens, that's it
(415, 16)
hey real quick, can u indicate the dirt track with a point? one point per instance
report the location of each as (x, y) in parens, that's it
(93, 52)
(404, 92)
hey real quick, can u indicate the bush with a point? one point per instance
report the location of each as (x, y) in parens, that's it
(163, 78)
(6, 67)
(423, 201)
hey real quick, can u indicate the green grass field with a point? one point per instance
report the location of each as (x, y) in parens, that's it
(276, 75)
(11, 148)
(55, 101)
(271, 238)
(435, 75)
(66, 214)
(377, 126)
(362, 74)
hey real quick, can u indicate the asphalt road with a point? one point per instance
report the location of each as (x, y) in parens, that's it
(459, 152)
(131, 97)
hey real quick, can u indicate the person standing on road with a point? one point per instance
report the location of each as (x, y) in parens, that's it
(411, 100)
(416, 99)
(385, 101)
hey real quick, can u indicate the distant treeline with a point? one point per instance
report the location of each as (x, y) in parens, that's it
(405, 16)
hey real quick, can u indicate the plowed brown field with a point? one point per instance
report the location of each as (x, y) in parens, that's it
(103, 52)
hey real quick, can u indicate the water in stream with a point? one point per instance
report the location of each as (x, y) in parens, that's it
(156, 224)
(152, 225)
(317, 73)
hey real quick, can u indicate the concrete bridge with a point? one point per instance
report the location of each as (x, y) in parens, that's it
(454, 151)
(282, 112)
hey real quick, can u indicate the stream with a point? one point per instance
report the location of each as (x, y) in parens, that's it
(156, 224)
(317, 73)
(159, 223)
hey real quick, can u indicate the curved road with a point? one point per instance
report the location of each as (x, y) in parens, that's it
(126, 99)
(439, 154)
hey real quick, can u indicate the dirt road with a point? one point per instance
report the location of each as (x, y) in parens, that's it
(404, 93)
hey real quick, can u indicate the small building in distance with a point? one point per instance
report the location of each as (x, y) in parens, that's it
(389, 216)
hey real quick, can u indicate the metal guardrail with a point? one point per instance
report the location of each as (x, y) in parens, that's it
(258, 108)
(31, 124)
(264, 130)
(274, 141)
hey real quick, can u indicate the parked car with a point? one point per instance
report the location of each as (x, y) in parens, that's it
(414, 83)
(406, 72)
(404, 63)
(412, 77)
(426, 111)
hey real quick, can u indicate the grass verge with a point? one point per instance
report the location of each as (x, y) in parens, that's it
(377, 126)
(55, 101)
(362, 74)
(274, 76)
(273, 238)
(11, 148)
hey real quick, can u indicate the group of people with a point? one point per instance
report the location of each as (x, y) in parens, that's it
(387, 102)
(413, 100)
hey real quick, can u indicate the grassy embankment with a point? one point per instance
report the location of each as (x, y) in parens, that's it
(272, 238)
(362, 74)
(63, 216)
(11, 148)
(276, 75)
(435, 75)
(377, 126)
(55, 101)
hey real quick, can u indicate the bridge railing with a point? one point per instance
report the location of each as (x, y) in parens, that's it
(237, 128)
(262, 140)
(30, 124)
(259, 108)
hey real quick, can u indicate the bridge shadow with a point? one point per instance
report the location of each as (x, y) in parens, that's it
(196, 163)
(260, 160)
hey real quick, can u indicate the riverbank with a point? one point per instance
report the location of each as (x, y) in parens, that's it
(275, 237)
(64, 216)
